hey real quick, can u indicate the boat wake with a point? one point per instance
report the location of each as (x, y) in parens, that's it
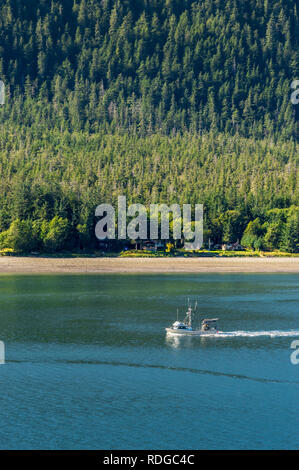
(241, 333)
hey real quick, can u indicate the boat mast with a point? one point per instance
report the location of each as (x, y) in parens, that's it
(189, 316)
(195, 308)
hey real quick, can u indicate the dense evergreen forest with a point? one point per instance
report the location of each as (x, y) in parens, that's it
(161, 100)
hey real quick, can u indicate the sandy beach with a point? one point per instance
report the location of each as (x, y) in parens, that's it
(32, 265)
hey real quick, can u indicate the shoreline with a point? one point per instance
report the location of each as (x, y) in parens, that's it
(40, 265)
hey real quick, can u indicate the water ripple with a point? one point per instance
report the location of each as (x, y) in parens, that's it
(170, 368)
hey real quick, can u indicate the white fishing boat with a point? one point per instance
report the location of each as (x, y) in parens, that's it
(208, 326)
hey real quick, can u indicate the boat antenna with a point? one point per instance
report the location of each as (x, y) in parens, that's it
(195, 307)
(177, 314)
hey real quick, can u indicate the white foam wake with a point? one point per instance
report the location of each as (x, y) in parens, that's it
(272, 334)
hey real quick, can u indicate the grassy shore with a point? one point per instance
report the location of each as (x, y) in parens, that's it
(44, 265)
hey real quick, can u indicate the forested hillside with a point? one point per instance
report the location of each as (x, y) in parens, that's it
(158, 65)
(161, 100)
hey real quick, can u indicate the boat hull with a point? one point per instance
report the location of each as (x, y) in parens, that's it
(177, 332)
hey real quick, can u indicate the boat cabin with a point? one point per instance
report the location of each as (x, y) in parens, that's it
(178, 325)
(209, 324)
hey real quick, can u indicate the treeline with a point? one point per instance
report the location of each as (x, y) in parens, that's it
(52, 181)
(278, 229)
(149, 66)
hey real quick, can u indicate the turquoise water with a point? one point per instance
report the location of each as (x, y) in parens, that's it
(88, 364)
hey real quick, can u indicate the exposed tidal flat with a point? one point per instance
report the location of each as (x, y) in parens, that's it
(40, 265)
(89, 366)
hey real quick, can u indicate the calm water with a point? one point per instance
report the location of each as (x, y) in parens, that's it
(88, 364)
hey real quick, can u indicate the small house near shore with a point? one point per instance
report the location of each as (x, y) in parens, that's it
(232, 246)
